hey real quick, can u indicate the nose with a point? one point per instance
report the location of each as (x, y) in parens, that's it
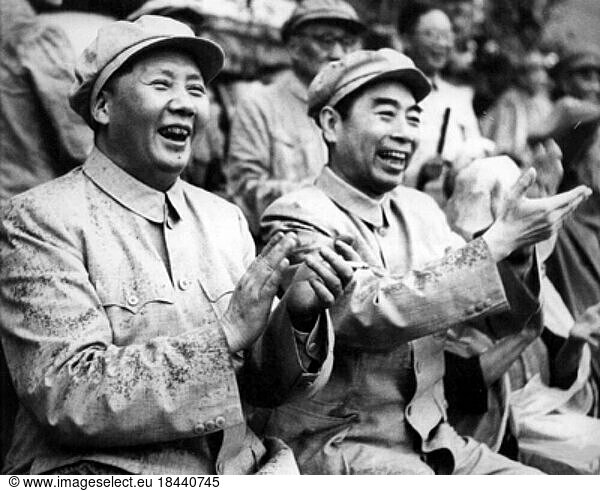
(403, 132)
(182, 102)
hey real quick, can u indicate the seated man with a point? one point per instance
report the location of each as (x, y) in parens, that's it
(383, 408)
(124, 304)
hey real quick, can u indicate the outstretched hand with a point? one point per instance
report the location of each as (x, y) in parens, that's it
(521, 221)
(247, 314)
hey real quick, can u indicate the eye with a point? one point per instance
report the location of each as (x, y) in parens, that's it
(413, 118)
(161, 83)
(386, 114)
(197, 89)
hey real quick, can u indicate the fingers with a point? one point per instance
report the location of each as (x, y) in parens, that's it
(524, 182)
(568, 200)
(325, 274)
(346, 251)
(326, 298)
(280, 246)
(340, 266)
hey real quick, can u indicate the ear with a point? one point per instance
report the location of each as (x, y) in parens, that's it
(101, 108)
(330, 122)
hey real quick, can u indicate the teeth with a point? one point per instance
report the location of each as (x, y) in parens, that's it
(174, 132)
(392, 154)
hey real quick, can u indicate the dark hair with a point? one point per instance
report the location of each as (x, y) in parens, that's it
(411, 14)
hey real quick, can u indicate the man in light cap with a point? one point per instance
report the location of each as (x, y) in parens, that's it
(124, 302)
(383, 409)
(274, 148)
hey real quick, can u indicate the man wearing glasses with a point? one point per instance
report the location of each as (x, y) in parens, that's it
(275, 147)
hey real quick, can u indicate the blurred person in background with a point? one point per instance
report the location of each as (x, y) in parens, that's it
(42, 137)
(450, 135)
(574, 123)
(521, 110)
(274, 146)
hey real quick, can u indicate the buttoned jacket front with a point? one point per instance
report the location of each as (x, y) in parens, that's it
(385, 397)
(111, 296)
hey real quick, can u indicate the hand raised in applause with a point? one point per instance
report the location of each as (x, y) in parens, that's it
(248, 312)
(521, 221)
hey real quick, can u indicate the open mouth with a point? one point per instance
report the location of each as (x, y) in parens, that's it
(175, 133)
(393, 158)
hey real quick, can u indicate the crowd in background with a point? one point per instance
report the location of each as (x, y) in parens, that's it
(535, 394)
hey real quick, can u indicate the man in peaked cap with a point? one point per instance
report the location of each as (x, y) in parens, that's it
(127, 295)
(274, 147)
(383, 409)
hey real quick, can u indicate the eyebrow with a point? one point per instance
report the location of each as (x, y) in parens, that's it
(170, 73)
(393, 102)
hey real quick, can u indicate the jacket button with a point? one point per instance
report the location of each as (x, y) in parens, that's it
(184, 284)
(210, 425)
(382, 231)
(418, 367)
(199, 429)
(220, 421)
(133, 300)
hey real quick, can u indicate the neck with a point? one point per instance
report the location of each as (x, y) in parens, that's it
(150, 177)
(336, 169)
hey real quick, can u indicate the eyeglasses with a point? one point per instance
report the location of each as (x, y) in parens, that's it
(328, 42)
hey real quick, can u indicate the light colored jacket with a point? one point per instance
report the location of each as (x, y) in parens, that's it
(385, 396)
(111, 295)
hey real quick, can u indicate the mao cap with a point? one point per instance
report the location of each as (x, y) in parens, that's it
(117, 42)
(342, 77)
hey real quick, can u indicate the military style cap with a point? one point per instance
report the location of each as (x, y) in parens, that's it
(315, 10)
(342, 77)
(119, 41)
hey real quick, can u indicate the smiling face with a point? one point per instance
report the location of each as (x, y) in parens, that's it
(371, 147)
(432, 41)
(149, 114)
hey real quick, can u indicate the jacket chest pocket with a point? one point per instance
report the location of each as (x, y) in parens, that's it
(139, 309)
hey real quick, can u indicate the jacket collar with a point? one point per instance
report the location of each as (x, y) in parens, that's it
(351, 199)
(130, 192)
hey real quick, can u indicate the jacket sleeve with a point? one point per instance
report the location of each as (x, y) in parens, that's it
(249, 170)
(67, 372)
(379, 310)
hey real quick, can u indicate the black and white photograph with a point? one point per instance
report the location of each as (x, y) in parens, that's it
(298, 237)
